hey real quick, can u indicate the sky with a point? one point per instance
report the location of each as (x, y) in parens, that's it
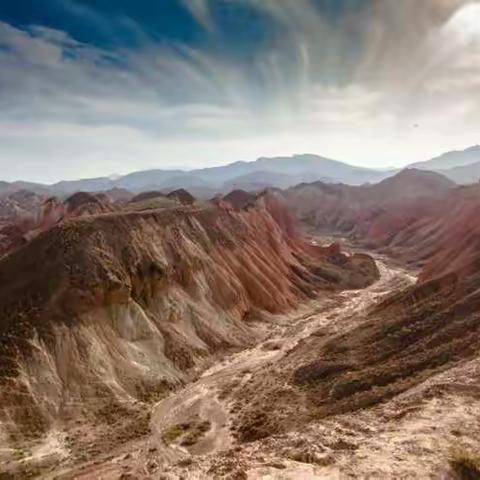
(92, 88)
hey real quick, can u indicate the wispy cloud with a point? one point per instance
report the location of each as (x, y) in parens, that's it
(202, 12)
(349, 85)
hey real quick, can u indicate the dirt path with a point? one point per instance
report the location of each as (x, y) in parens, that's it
(201, 402)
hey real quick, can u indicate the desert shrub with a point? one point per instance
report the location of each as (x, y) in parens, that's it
(191, 432)
(196, 433)
(171, 433)
(318, 371)
(255, 426)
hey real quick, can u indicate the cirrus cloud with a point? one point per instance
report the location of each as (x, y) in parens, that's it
(348, 84)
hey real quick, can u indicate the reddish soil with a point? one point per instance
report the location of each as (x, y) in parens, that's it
(104, 314)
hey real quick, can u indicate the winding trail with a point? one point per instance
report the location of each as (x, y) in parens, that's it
(201, 399)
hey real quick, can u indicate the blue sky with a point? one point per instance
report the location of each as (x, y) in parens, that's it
(98, 87)
(107, 23)
(130, 23)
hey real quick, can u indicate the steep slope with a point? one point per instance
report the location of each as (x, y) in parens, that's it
(449, 238)
(104, 313)
(441, 231)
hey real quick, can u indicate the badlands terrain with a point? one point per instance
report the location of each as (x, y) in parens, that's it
(321, 331)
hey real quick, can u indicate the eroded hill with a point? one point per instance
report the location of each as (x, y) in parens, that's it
(104, 314)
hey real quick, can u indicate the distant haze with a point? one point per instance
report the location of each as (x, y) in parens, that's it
(91, 89)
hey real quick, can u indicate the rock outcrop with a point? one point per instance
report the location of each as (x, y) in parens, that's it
(182, 196)
(240, 199)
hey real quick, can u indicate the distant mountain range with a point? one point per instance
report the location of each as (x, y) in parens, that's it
(283, 172)
(451, 159)
(463, 167)
(464, 174)
(265, 172)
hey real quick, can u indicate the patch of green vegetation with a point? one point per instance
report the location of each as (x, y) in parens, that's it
(153, 393)
(20, 453)
(191, 432)
(196, 433)
(171, 433)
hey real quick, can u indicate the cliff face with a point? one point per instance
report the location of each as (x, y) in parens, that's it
(104, 311)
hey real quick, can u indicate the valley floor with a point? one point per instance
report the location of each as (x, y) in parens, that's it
(409, 436)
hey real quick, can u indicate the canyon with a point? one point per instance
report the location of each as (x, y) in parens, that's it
(321, 331)
(239, 240)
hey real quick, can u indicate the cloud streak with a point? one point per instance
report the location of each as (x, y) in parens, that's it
(349, 83)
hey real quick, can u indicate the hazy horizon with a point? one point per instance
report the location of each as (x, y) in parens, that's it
(115, 175)
(90, 90)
